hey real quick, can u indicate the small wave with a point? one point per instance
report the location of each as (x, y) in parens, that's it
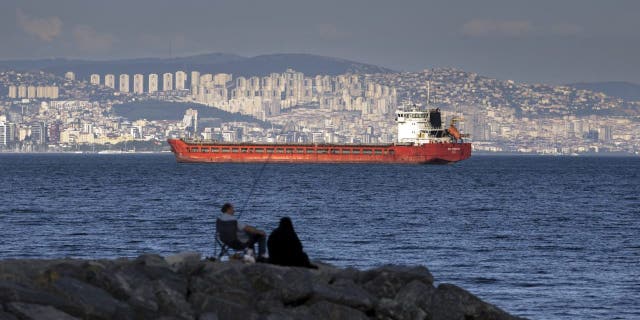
(26, 210)
(484, 280)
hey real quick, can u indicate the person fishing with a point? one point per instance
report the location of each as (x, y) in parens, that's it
(285, 248)
(246, 233)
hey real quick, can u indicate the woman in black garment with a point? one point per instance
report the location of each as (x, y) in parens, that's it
(285, 249)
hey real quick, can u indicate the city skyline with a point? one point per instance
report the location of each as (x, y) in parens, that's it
(541, 42)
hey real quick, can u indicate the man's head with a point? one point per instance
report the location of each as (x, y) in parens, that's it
(227, 208)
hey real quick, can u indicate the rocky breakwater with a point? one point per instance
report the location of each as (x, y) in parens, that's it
(186, 287)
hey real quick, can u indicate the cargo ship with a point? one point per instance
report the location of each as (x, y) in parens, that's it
(422, 139)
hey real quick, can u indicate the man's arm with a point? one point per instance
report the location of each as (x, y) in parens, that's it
(253, 230)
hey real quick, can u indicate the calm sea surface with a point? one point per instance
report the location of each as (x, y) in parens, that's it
(541, 237)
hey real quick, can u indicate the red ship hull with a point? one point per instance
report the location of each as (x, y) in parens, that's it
(199, 152)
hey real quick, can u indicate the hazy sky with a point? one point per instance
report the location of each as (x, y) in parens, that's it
(552, 41)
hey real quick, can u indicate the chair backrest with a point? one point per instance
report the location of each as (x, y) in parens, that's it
(228, 234)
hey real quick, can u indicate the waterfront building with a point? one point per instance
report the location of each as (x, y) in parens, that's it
(124, 83)
(7, 133)
(153, 83)
(70, 75)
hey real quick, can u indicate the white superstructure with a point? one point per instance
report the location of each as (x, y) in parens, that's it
(420, 126)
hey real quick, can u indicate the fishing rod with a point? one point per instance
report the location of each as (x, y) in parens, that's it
(253, 186)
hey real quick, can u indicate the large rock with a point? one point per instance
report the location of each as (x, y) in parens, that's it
(185, 287)
(386, 281)
(37, 312)
(452, 302)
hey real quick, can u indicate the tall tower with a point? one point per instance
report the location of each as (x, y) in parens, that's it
(195, 82)
(110, 81)
(153, 83)
(124, 83)
(167, 82)
(13, 92)
(138, 83)
(95, 79)
(181, 78)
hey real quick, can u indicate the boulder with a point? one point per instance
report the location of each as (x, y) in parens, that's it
(386, 281)
(325, 310)
(184, 262)
(413, 301)
(91, 301)
(346, 292)
(452, 302)
(36, 312)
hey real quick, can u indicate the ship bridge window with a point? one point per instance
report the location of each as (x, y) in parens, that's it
(311, 151)
(322, 151)
(226, 150)
(205, 150)
(194, 150)
(279, 150)
(235, 150)
(335, 151)
(215, 150)
(378, 151)
(356, 151)
(269, 150)
(259, 150)
(392, 152)
(243, 150)
(289, 150)
(367, 151)
(299, 150)
(346, 151)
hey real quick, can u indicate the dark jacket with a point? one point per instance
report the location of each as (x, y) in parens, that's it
(285, 248)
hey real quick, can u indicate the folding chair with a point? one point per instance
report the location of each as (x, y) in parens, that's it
(227, 237)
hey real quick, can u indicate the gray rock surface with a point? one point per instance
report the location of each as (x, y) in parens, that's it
(185, 287)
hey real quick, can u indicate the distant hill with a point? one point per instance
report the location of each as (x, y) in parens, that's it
(162, 110)
(619, 89)
(207, 63)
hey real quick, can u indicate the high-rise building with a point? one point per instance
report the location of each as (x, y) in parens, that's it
(153, 83)
(41, 92)
(7, 133)
(95, 79)
(138, 83)
(13, 92)
(70, 75)
(167, 82)
(124, 83)
(31, 92)
(190, 120)
(39, 132)
(181, 79)
(110, 81)
(52, 92)
(22, 91)
(221, 79)
(195, 82)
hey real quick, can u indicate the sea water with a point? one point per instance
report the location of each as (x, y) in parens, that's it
(541, 237)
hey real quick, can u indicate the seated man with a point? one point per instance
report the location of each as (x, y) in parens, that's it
(246, 233)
